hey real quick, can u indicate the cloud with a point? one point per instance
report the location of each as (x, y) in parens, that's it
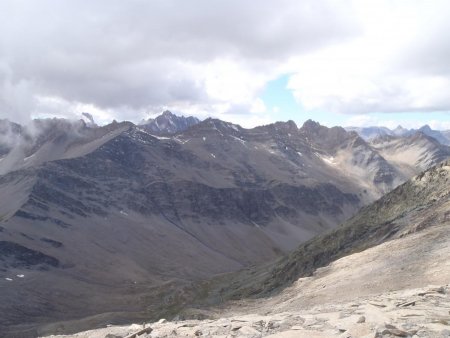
(399, 64)
(125, 59)
(129, 59)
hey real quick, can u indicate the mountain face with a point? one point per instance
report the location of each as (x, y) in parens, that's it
(116, 210)
(168, 123)
(370, 133)
(413, 153)
(350, 155)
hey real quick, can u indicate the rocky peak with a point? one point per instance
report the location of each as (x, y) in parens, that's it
(400, 130)
(289, 126)
(436, 134)
(167, 113)
(311, 126)
(169, 123)
(327, 138)
(88, 119)
(425, 128)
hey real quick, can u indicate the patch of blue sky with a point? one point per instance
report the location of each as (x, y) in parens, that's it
(282, 106)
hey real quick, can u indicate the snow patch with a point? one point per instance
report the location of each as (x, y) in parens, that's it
(328, 159)
(8, 279)
(213, 155)
(27, 158)
(20, 276)
(161, 137)
(182, 141)
(123, 213)
(256, 225)
(204, 138)
(158, 137)
(238, 139)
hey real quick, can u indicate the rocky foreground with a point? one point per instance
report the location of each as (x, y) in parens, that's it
(420, 312)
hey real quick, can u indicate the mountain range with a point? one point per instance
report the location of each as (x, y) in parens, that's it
(369, 133)
(96, 221)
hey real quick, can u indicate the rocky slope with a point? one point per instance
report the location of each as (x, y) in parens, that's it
(420, 312)
(160, 213)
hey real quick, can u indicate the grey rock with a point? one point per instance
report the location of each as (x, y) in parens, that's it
(250, 332)
(445, 333)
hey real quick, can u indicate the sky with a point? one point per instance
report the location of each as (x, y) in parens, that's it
(339, 62)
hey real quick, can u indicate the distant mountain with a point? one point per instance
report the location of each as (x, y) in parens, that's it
(353, 157)
(369, 133)
(436, 134)
(413, 153)
(168, 123)
(118, 210)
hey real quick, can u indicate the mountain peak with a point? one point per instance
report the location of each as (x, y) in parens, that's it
(167, 113)
(425, 128)
(311, 125)
(169, 123)
(288, 125)
(88, 119)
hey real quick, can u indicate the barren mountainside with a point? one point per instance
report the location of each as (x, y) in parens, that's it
(95, 211)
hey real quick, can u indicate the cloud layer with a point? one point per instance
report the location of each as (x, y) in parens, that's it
(127, 59)
(398, 64)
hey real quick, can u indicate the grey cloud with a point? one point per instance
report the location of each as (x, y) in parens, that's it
(140, 54)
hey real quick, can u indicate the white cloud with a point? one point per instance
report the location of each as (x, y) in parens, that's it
(439, 125)
(382, 70)
(126, 60)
